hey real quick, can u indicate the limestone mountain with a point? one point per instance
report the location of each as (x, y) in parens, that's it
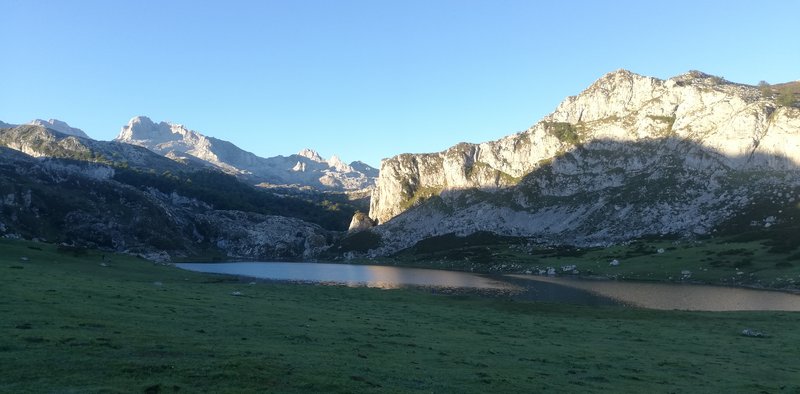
(629, 156)
(306, 168)
(59, 126)
(41, 141)
(91, 204)
(122, 197)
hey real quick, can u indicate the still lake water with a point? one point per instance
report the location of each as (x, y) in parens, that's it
(527, 287)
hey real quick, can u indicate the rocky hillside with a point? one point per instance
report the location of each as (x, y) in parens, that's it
(52, 124)
(122, 197)
(629, 156)
(306, 168)
(87, 204)
(59, 126)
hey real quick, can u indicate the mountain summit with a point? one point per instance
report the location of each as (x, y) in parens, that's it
(307, 168)
(59, 126)
(629, 156)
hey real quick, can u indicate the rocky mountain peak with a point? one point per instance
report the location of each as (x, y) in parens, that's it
(311, 154)
(682, 137)
(59, 126)
(307, 168)
(336, 163)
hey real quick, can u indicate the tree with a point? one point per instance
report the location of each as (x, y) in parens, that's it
(765, 89)
(786, 97)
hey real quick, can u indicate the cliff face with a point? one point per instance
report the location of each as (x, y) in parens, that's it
(630, 155)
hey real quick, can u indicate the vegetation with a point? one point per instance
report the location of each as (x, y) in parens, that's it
(360, 242)
(564, 132)
(786, 94)
(742, 260)
(116, 324)
(668, 120)
(225, 192)
(419, 195)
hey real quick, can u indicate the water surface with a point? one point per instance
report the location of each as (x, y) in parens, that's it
(527, 287)
(384, 277)
(679, 296)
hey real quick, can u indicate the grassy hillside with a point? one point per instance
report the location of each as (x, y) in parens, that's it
(750, 259)
(78, 321)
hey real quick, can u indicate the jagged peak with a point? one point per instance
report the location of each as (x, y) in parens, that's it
(311, 154)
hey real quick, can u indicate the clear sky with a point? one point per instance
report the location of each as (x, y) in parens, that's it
(363, 79)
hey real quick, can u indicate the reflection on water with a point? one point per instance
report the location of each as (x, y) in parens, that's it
(680, 296)
(353, 275)
(527, 287)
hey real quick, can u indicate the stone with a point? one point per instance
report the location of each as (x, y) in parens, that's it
(360, 222)
(560, 180)
(749, 332)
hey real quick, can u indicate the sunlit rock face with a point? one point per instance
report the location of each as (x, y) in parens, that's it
(630, 155)
(360, 222)
(306, 168)
(59, 126)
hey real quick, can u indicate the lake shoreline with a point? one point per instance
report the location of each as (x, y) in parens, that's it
(761, 287)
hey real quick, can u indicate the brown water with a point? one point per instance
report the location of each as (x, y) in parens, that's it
(679, 296)
(528, 287)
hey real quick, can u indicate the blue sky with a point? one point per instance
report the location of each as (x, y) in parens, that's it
(363, 79)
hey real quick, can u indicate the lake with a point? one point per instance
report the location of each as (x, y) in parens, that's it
(527, 287)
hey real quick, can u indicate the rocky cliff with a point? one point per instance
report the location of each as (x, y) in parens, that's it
(630, 155)
(306, 168)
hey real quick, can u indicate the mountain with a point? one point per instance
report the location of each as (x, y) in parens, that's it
(61, 127)
(40, 141)
(628, 157)
(4, 125)
(126, 198)
(86, 204)
(306, 168)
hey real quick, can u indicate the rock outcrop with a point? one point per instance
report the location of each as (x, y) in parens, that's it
(59, 126)
(360, 222)
(631, 155)
(306, 168)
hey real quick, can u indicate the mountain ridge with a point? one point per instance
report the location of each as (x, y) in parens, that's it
(307, 168)
(695, 122)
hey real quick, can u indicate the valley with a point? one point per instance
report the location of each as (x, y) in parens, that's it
(101, 322)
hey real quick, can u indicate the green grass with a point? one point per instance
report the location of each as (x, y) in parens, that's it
(71, 325)
(728, 260)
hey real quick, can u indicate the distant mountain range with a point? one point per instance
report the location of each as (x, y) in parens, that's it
(306, 168)
(52, 124)
(630, 157)
(174, 141)
(105, 194)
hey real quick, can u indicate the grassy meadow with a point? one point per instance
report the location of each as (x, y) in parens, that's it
(74, 321)
(727, 260)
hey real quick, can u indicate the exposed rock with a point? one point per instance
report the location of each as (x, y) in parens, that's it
(360, 222)
(307, 168)
(59, 126)
(84, 205)
(749, 332)
(629, 156)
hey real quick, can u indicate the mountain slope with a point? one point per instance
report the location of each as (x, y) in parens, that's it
(306, 168)
(59, 126)
(160, 216)
(629, 156)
